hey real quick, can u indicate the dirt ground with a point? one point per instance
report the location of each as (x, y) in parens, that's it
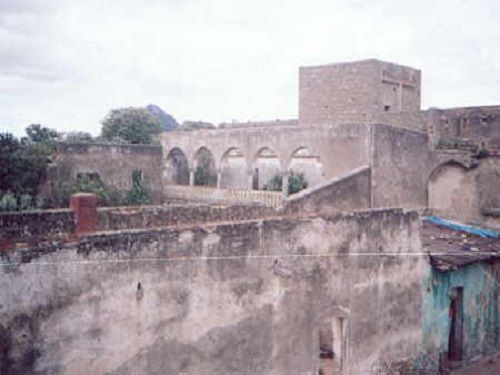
(487, 366)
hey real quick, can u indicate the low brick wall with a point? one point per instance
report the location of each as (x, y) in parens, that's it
(32, 226)
(115, 218)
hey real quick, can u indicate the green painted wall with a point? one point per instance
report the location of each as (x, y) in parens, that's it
(481, 322)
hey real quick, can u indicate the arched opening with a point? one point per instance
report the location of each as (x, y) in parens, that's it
(177, 172)
(452, 192)
(233, 170)
(304, 163)
(205, 173)
(266, 170)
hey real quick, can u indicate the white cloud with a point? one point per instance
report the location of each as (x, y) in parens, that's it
(66, 63)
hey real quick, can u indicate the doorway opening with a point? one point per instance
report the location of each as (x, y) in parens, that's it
(455, 338)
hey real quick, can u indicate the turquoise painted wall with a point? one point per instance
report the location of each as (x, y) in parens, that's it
(481, 323)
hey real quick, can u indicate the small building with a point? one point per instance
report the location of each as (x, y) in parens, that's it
(460, 309)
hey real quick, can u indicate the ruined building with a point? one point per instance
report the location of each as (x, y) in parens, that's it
(360, 273)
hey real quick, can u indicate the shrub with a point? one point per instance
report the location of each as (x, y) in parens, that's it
(25, 202)
(8, 202)
(138, 194)
(296, 183)
(108, 196)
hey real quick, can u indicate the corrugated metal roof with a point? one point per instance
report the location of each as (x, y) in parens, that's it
(451, 245)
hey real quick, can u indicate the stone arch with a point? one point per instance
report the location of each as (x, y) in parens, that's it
(452, 191)
(266, 165)
(204, 168)
(233, 170)
(177, 171)
(303, 161)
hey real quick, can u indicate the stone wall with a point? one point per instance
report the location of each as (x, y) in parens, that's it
(478, 125)
(115, 218)
(258, 124)
(346, 193)
(240, 298)
(34, 226)
(59, 225)
(114, 165)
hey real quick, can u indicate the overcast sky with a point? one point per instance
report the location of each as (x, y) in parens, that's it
(65, 64)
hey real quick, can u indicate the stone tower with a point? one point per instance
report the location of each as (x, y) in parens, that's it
(356, 90)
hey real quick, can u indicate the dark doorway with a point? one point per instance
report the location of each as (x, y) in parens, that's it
(455, 338)
(326, 356)
(255, 179)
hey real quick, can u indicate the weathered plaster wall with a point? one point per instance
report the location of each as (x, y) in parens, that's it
(244, 298)
(453, 192)
(481, 324)
(346, 193)
(113, 163)
(461, 193)
(399, 167)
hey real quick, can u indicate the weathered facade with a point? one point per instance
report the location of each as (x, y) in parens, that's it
(236, 279)
(460, 310)
(112, 164)
(244, 298)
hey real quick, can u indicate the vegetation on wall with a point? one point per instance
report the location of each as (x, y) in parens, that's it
(296, 183)
(108, 196)
(196, 125)
(130, 125)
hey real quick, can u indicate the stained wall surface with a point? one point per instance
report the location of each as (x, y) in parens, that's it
(400, 167)
(481, 316)
(244, 298)
(461, 193)
(114, 165)
(453, 192)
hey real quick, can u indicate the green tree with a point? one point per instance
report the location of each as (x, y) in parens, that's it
(132, 125)
(23, 163)
(38, 134)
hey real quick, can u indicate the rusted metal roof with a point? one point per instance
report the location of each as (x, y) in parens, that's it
(453, 248)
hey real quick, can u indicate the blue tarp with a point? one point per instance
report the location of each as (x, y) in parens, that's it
(481, 232)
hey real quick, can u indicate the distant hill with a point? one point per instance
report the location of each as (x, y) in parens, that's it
(167, 122)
